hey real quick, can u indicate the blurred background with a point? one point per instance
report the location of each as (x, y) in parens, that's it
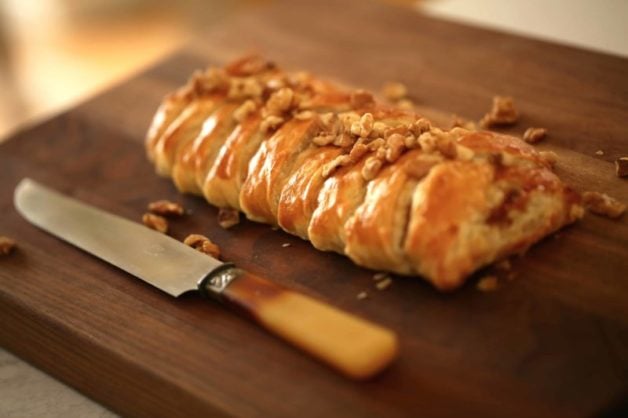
(55, 53)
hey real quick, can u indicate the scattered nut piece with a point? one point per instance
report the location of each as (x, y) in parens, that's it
(459, 122)
(621, 167)
(599, 152)
(603, 204)
(380, 276)
(285, 244)
(394, 91)
(487, 284)
(383, 284)
(7, 245)
(228, 217)
(503, 113)
(362, 295)
(203, 244)
(534, 135)
(166, 208)
(156, 222)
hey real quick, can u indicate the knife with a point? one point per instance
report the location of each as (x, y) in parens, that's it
(357, 348)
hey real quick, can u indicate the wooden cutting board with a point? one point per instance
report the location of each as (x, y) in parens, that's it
(551, 342)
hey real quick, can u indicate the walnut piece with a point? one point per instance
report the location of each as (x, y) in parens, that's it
(603, 204)
(245, 109)
(166, 208)
(383, 284)
(271, 123)
(7, 245)
(503, 113)
(459, 122)
(550, 157)
(203, 244)
(621, 167)
(156, 222)
(371, 168)
(534, 135)
(228, 217)
(394, 91)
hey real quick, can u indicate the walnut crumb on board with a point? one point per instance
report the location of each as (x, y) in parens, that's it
(203, 244)
(7, 245)
(362, 295)
(166, 208)
(621, 167)
(487, 284)
(228, 217)
(602, 204)
(534, 135)
(599, 152)
(383, 284)
(156, 222)
(285, 244)
(503, 113)
(380, 276)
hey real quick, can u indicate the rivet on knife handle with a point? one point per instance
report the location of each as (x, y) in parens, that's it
(357, 348)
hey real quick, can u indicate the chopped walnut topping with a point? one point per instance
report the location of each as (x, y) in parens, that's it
(331, 166)
(371, 168)
(383, 284)
(245, 109)
(250, 65)
(487, 284)
(377, 144)
(203, 244)
(366, 125)
(410, 141)
(361, 99)
(280, 102)
(550, 157)
(156, 222)
(394, 91)
(228, 217)
(209, 81)
(503, 113)
(463, 153)
(271, 123)
(379, 129)
(534, 135)
(244, 88)
(405, 104)
(166, 208)
(420, 126)
(603, 204)
(328, 120)
(7, 245)
(322, 140)
(358, 151)
(396, 146)
(459, 122)
(344, 141)
(621, 167)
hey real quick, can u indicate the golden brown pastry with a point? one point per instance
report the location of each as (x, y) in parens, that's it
(371, 181)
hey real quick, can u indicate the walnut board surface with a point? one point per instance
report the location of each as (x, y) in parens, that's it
(551, 342)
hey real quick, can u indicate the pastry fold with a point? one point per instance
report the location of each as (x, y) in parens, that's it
(374, 182)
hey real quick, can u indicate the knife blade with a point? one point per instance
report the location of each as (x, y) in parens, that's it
(357, 348)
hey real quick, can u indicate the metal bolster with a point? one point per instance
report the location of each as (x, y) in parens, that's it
(214, 283)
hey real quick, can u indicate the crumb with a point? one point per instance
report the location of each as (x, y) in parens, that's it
(380, 276)
(602, 204)
(487, 284)
(156, 222)
(534, 135)
(7, 245)
(503, 113)
(550, 157)
(166, 208)
(383, 284)
(362, 295)
(621, 167)
(599, 152)
(394, 91)
(203, 244)
(228, 217)
(285, 244)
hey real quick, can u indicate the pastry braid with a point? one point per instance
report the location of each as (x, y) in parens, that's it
(352, 175)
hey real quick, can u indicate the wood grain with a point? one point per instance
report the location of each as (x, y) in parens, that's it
(551, 342)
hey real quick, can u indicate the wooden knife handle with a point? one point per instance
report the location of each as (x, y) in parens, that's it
(357, 348)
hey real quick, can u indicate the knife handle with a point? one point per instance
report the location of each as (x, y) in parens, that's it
(357, 348)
